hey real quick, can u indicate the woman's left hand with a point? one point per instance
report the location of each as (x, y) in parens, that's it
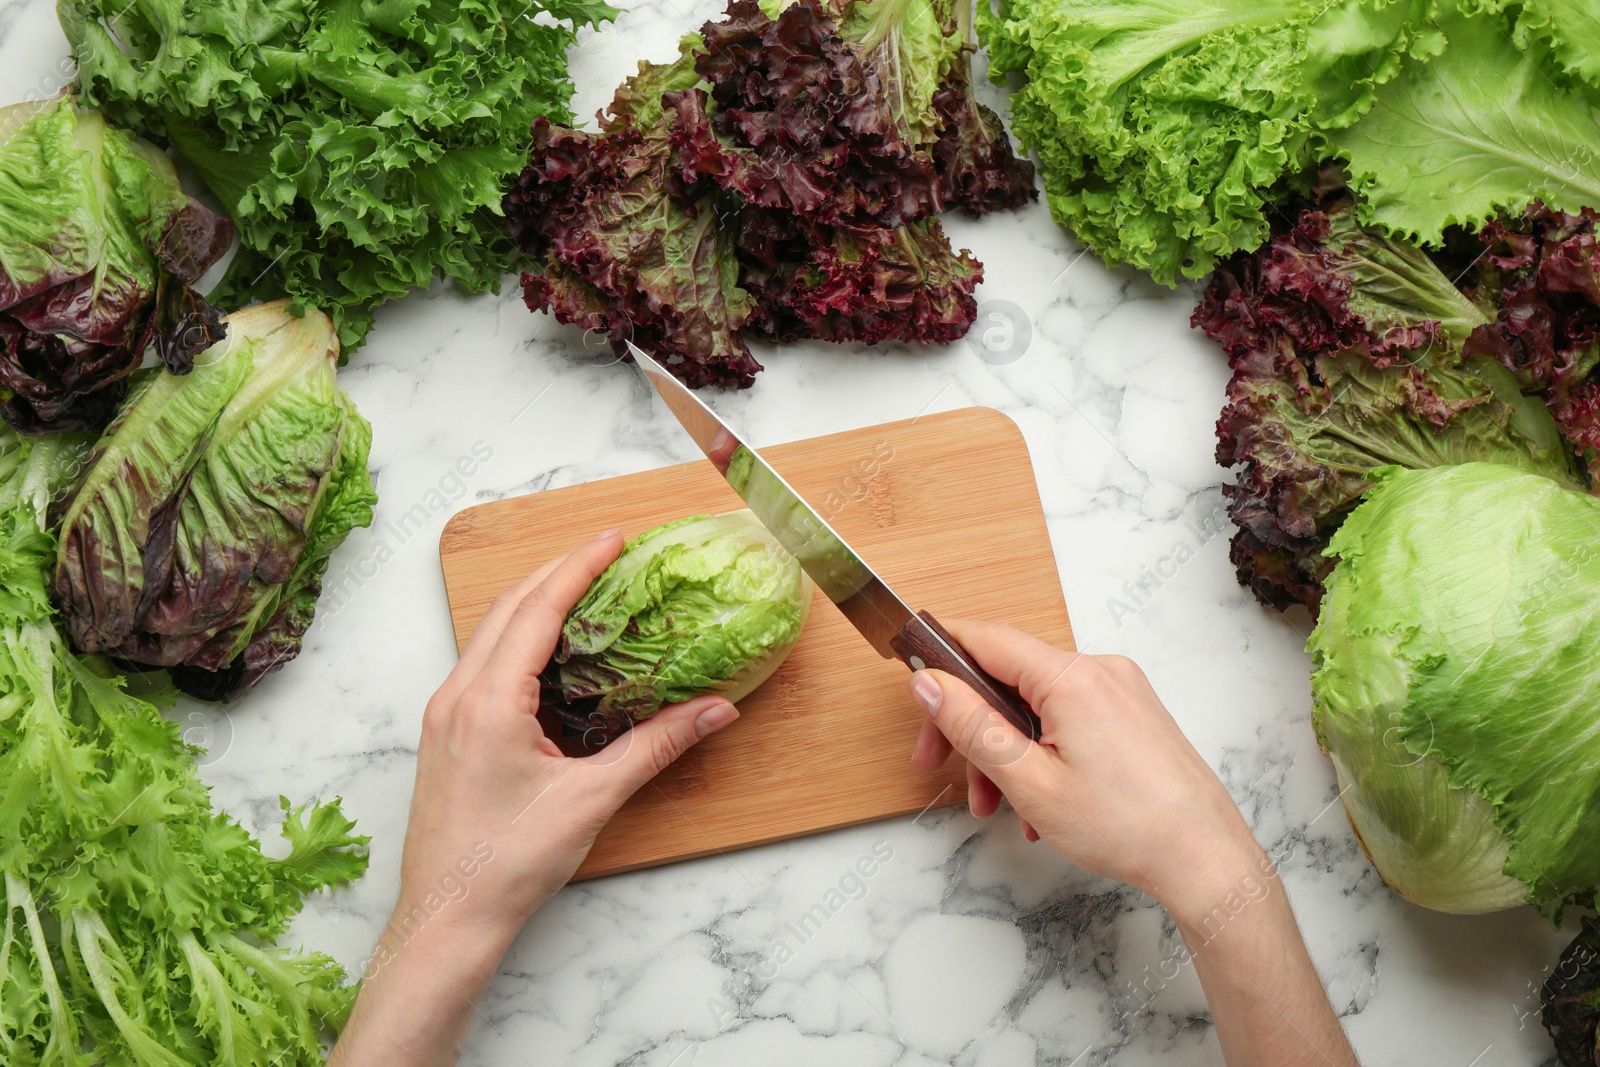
(488, 777)
(500, 819)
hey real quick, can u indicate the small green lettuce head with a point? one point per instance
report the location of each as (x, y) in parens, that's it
(705, 604)
(1457, 687)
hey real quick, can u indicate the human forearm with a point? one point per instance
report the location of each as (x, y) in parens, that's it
(1113, 785)
(1266, 1000)
(420, 992)
(474, 869)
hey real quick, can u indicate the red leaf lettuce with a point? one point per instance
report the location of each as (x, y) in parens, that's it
(1542, 270)
(1350, 350)
(778, 178)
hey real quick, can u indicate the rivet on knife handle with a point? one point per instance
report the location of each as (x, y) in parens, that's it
(924, 643)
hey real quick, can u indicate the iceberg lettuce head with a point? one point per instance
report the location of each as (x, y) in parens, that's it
(1455, 685)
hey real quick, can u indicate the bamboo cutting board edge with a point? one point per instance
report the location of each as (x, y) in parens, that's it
(697, 808)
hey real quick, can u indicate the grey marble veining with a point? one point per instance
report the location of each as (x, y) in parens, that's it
(966, 946)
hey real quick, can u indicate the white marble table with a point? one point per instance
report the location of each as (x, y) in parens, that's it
(970, 946)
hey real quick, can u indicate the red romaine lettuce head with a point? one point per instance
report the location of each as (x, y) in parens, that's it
(1346, 350)
(99, 246)
(1542, 270)
(198, 533)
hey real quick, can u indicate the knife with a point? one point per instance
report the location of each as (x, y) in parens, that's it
(915, 638)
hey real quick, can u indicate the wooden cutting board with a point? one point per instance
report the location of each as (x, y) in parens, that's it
(944, 506)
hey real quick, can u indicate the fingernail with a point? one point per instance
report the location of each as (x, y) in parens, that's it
(606, 534)
(927, 692)
(714, 718)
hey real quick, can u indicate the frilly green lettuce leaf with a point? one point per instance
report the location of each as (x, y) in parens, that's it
(325, 849)
(1482, 128)
(138, 922)
(1570, 28)
(1164, 127)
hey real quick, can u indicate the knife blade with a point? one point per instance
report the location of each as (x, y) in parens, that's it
(877, 612)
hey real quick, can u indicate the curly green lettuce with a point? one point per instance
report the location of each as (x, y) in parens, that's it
(362, 146)
(1570, 28)
(140, 923)
(1485, 127)
(1165, 128)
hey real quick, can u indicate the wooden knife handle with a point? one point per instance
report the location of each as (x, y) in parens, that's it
(922, 642)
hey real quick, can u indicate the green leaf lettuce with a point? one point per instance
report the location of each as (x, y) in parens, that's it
(139, 922)
(1487, 126)
(1164, 127)
(362, 146)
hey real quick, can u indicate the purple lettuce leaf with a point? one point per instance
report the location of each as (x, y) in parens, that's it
(857, 284)
(1347, 354)
(1542, 271)
(778, 179)
(801, 122)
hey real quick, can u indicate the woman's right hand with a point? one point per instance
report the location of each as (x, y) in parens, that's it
(1112, 785)
(1115, 787)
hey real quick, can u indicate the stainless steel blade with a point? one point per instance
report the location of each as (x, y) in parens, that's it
(864, 598)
